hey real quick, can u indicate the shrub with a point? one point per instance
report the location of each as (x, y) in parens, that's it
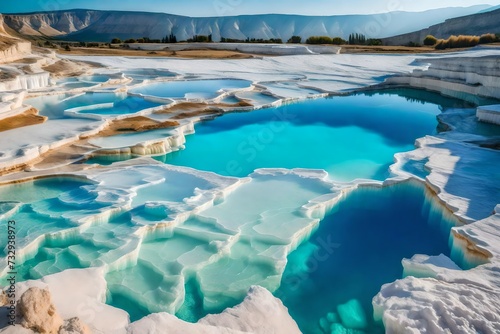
(461, 41)
(199, 39)
(430, 40)
(338, 41)
(116, 41)
(67, 48)
(319, 40)
(295, 40)
(440, 44)
(374, 41)
(466, 41)
(414, 45)
(487, 38)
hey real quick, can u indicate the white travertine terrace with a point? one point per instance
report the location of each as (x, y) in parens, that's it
(260, 312)
(489, 114)
(457, 77)
(200, 210)
(267, 49)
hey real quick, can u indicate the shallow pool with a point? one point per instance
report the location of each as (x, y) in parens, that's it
(54, 106)
(206, 89)
(129, 105)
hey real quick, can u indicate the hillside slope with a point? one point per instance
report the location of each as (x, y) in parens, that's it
(11, 48)
(91, 25)
(477, 24)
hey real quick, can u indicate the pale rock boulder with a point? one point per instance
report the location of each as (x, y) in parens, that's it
(37, 311)
(81, 293)
(3, 298)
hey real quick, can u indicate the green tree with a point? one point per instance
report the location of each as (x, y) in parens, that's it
(116, 41)
(357, 38)
(172, 38)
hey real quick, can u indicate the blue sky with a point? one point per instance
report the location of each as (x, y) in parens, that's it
(238, 7)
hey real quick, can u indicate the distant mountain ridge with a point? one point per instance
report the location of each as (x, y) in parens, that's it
(476, 24)
(94, 25)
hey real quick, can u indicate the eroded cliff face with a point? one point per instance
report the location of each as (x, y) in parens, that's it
(15, 49)
(11, 48)
(52, 23)
(2, 29)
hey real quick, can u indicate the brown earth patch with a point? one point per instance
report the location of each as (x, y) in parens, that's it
(68, 68)
(29, 117)
(191, 109)
(195, 54)
(135, 124)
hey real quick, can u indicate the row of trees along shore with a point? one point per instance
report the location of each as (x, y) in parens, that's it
(354, 39)
(461, 41)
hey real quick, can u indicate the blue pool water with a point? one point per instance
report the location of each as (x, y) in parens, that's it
(39, 213)
(129, 105)
(357, 249)
(38, 190)
(96, 79)
(54, 106)
(147, 74)
(350, 137)
(192, 89)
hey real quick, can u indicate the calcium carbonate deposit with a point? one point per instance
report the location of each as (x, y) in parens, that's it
(248, 196)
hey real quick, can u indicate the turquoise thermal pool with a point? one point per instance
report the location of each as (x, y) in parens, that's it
(349, 137)
(199, 89)
(90, 103)
(330, 280)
